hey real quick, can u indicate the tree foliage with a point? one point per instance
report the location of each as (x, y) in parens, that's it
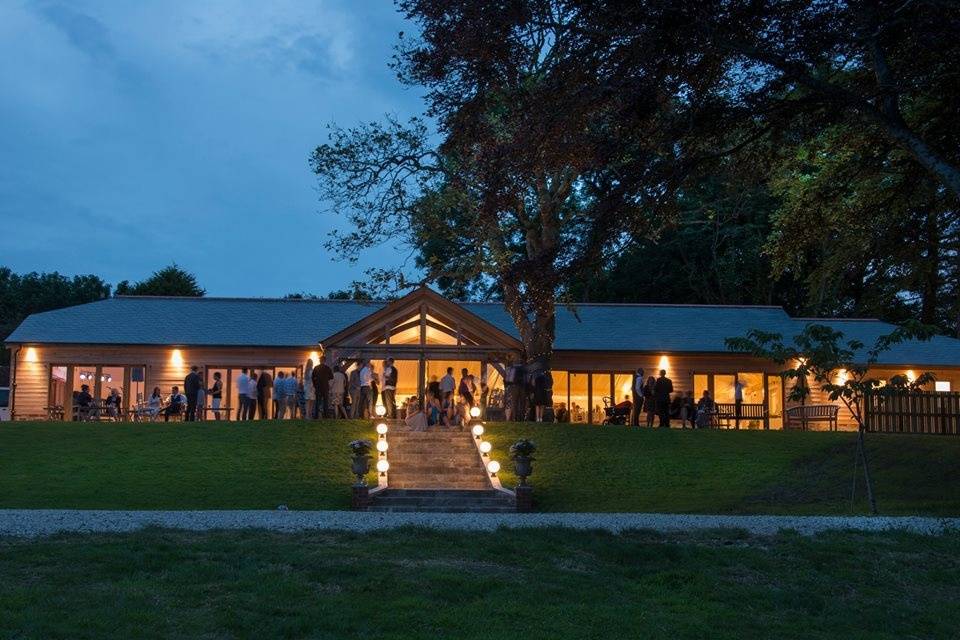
(22, 295)
(169, 281)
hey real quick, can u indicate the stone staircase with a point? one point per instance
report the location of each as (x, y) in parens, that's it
(443, 500)
(437, 470)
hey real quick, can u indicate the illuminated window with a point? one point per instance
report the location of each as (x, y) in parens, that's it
(942, 385)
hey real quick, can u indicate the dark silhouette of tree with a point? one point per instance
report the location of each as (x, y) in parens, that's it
(169, 281)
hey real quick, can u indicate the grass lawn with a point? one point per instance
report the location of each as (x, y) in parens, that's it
(548, 583)
(251, 465)
(588, 468)
(578, 468)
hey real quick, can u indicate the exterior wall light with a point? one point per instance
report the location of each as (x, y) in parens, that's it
(176, 358)
(30, 355)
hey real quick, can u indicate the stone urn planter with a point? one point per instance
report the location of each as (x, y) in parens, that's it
(521, 452)
(361, 459)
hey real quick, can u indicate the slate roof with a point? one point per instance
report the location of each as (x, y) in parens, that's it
(586, 327)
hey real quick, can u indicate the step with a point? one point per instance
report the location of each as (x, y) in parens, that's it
(438, 501)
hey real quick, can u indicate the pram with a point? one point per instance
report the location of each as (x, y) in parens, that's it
(616, 413)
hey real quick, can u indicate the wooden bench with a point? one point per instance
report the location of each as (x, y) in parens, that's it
(727, 412)
(801, 416)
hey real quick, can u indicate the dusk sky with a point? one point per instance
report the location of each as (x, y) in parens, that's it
(136, 134)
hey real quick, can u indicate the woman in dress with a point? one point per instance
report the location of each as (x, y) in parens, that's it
(155, 403)
(648, 402)
(216, 394)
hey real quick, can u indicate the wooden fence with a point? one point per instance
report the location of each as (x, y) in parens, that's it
(933, 412)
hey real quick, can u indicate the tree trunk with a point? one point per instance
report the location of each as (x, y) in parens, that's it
(861, 445)
(931, 274)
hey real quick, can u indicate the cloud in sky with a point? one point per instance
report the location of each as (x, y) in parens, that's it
(134, 134)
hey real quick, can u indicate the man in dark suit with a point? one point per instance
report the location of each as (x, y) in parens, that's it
(661, 397)
(322, 374)
(264, 391)
(191, 388)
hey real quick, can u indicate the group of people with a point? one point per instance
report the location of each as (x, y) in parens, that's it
(653, 397)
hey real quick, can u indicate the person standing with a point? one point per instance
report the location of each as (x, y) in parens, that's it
(738, 387)
(661, 397)
(279, 406)
(542, 392)
(465, 391)
(242, 381)
(290, 386)
(447, 384)
(338, 387)
(191, 387)
(216, 394)
(648, 403)
(389, 392)
(365, 377)
(374, 389)
(353, 390)
(309, 392)
(636, 390)
(251, 394)
(321, 377)
(264, 389)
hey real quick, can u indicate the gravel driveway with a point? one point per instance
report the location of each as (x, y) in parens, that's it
(41, 522)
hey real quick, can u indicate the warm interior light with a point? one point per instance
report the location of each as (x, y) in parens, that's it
(383, 466)
(382, 446)
(842, 376)
(941, 385)
(664, 363)
(382, 428)
(485, 447)
(474, 412)
(315, 357)
(30, 355)
(176, 358)
(493, 467)
(478, 430)
(381, 410)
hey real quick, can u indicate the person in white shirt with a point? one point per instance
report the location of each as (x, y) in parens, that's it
(447, 384)
(279, 401)
(366, 378)
(243, 381)
(738, 387)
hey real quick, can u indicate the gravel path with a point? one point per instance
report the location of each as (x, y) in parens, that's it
(41, 522)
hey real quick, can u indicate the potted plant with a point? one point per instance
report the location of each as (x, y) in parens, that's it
(521, 452)
(361, 459)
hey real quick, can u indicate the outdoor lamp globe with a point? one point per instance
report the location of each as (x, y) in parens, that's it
(478, 430)
(474, 412)
(493, 467)
(485, 447)
(383, 466)
(382, 446)
(382, 428)
(381, 410)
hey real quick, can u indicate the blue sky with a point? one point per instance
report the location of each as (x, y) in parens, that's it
(136, 133)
